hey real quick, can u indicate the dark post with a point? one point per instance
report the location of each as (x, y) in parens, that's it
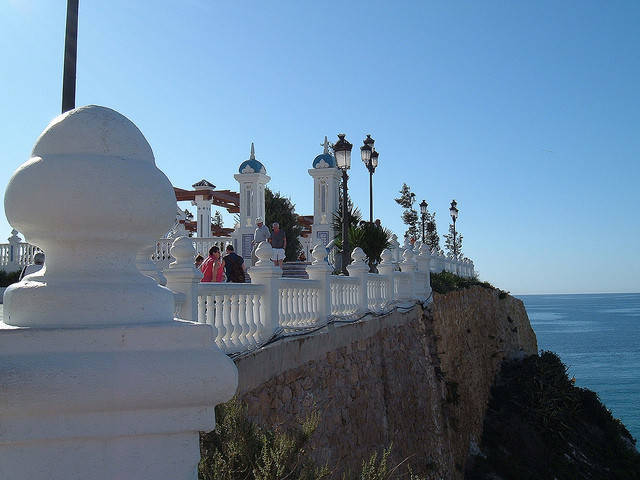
(70, 55)
(370, 196)
(422, 215)
(345, 224)
(455, 254)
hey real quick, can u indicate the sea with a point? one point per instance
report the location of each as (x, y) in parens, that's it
(597, 336)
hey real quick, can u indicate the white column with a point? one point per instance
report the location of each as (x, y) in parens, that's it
(98, 380)
(424, 265)
(264, 272)
(320, 270)
(203, 216)
(387, 267)
(359, 269)
(182, 277)
(252, 179)
(326, 182)
(14, 252)
(408, 265)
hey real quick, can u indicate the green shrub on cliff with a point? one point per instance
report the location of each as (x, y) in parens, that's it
(444, 282)
(540, 426)
(238, 449)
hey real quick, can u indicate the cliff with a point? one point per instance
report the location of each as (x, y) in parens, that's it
(419, 380)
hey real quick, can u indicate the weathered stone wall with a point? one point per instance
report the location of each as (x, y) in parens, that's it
(419, 380)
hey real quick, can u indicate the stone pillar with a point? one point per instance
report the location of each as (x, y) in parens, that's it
(147, 266)
(320, 270)
(326, 182)
(408, 265)
(203, 216)
(182, 277)
(98, 380)
(394, 247)
(387, 267)
(252, 178)
(424, 265)
(359, 269)
(14, 252)
(264, 272)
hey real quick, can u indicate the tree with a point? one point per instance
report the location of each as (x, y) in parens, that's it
(448, 242)
(409, 216)
(217, 219)
(280, 209)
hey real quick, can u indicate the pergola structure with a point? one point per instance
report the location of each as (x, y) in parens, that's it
(221, 198)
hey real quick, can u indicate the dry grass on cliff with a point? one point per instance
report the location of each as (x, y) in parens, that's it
(445, 282)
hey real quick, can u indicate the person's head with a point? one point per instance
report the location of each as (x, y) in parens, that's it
(199, 260)
(214, 251)
(38, 259)
(259, 221)
(276, 226)
(229, 248)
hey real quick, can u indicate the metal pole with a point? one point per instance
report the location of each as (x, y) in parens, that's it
(345, 224)
(370, 196)
(423, 228)
(70, 56)
(455, 254)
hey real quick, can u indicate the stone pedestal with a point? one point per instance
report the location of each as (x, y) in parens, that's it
(98, 380)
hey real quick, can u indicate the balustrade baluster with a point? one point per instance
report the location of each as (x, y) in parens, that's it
(226, 319)
(237, 330)
(251, 320)
(242, 320)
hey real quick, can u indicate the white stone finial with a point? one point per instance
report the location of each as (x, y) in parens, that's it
(319, 254)
(73, 199)
(252, 156)
(408, 256)
(358, 255)
(386, 256)
(264, 252)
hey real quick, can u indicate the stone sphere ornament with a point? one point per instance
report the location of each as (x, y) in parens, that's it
(91, 197)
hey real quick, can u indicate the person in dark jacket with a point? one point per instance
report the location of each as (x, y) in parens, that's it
(234, 266)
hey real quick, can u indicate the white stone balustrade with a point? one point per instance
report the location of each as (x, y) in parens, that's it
(98, 379)
(299, 302)
(161, 253)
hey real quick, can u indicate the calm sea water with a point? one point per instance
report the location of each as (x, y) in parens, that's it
(598, 338)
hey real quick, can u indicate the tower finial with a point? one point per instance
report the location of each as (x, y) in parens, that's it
(326, 145)
(253, 153)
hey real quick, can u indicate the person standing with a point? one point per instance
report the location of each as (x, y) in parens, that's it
(234, 266)
(279, 243)
(261, 234)
(213, 267)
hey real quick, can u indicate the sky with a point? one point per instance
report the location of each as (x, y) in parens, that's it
(527, 113)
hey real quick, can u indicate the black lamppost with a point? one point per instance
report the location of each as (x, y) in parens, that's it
(453, 210)
(423, 214)
(342, 152)
(370, 159)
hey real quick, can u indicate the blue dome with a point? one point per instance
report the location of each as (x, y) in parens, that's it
(252, 166)
(324, 160)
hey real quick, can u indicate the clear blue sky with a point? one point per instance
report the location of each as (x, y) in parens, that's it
(527, 113)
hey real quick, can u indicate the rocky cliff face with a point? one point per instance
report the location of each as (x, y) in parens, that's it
(419, 380)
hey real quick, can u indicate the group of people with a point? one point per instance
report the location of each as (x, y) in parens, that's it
(216, 268)
(231, 267)
(276, 238)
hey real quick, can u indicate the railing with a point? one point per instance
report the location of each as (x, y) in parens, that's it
(16, 254)
(378, 291)
(298, 303)
(236, 313)
(345, 292)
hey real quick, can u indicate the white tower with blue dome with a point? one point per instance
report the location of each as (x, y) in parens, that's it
(326, 183)
(252, 177)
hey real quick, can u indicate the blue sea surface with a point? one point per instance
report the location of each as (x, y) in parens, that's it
(598, 338)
